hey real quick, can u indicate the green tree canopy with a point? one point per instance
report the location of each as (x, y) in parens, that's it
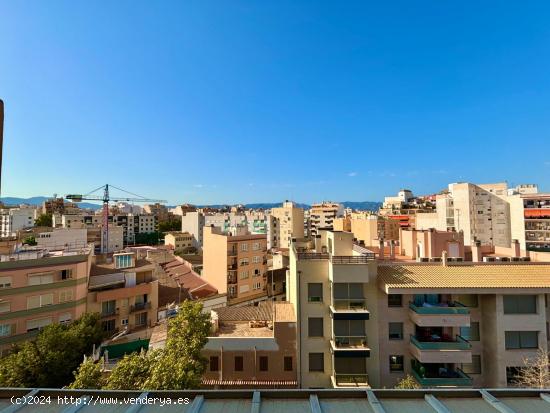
(171, 225)
(88, 376)
(132, 371)
(44, 220)
(50, 360)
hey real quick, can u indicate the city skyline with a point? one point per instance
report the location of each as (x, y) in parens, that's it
(210, 103)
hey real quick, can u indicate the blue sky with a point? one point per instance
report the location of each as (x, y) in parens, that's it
(259, 101)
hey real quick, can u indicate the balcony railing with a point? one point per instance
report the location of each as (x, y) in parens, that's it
(140, 306)
(350, 342)
(460, 343)
(312, 256)
(350, 379)
(451, 307)
(232, 267)
(455, 378)
(352, 259)
(109, 313)
(345, 304)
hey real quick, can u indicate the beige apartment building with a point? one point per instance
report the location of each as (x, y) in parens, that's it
(179, 241)
(236, 265)
(252, 347)
(448, 324)
(123, 290)
(322, 215)
(368, 228)
(482, 212)
(431, 244)
(287, 223)
(39, 287)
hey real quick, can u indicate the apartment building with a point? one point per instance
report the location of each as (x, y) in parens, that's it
(59, 206)
(368, 228)
(15, 219)
(193, 222)
(123, 290)
(179, 241)
(252, 347)
(461, 324)
(158, 210)
(39, 287)
(322, 215)
(482, 212)
(530, 220)
(235, 265)
(131, 224)
(287, 223)
(332, 285)
(425, 245)
(59, 238)
(405, 207)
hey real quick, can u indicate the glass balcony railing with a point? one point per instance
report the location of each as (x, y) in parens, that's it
(460, 379)
(345, 304)
(460, 343)
(450, 307)
(350, 342)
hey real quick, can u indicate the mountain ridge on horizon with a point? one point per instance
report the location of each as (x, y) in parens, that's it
(360, 205)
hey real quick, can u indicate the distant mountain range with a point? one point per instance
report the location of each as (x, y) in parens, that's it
(38, 200)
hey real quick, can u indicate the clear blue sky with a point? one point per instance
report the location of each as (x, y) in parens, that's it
(257, 101)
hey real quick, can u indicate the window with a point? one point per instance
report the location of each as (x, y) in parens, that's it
(520, 304)
(395, 300)
(256, 259)
(141, 319)
(256, 286)
(244, 261)
(37, 301)
(315, 292)
(521, 339)
(263, 363)
(244, 247)
(243, 275)
(256, 246)
(38, 324)
(474, 367)
(5, 307)
(38, 279)
(288, 363)
(256, 273)
(108, 308)
(5, 330)
(396, 363)
(214, 363)
(108, 325)
(316, 362)
(470, 333)
(469, 300)
(124, 322)
(123, 261)
(66, 274)
(65, 318)
(395, 331)
(315, 327)
(5, 282)
(238, 363)
(65, 296)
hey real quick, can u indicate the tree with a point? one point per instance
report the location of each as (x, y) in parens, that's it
(88, 376)
(408, 382)
(30, 240)
(43, 220)
(171, 225)
(536, 371)
(181, 365)
(132, 371)
(50, 360)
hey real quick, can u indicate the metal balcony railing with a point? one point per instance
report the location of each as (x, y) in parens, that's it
(349, 304)
(140, 306)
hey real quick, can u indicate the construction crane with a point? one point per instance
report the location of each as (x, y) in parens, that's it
(106, 199)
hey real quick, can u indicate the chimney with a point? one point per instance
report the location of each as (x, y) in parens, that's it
(381, 252)
(516, 248)
(444, 258)
(1, 139)
(392, 250)
(476, 252)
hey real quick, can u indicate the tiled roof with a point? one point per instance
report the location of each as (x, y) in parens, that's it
(190, 281)
(263, 312)
(463, 276)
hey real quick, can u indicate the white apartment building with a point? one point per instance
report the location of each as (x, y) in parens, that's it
(15, 219)
(193, 223)
(61, 238)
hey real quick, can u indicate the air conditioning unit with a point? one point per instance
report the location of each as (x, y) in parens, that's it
(503, 259)
(488, 259)
(515, 259)
(451, 259)
(458, 259)
(435, 259)
(422, 259)
(525, 258)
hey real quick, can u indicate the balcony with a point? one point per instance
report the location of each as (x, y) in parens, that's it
(443, 314)
(441, 350)
(445, 378)
(349, 380)
(352, 259)
(140, 307)
(353, 346)
(349, 309)
(232, 253)
(232, 267)
(109, 313)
